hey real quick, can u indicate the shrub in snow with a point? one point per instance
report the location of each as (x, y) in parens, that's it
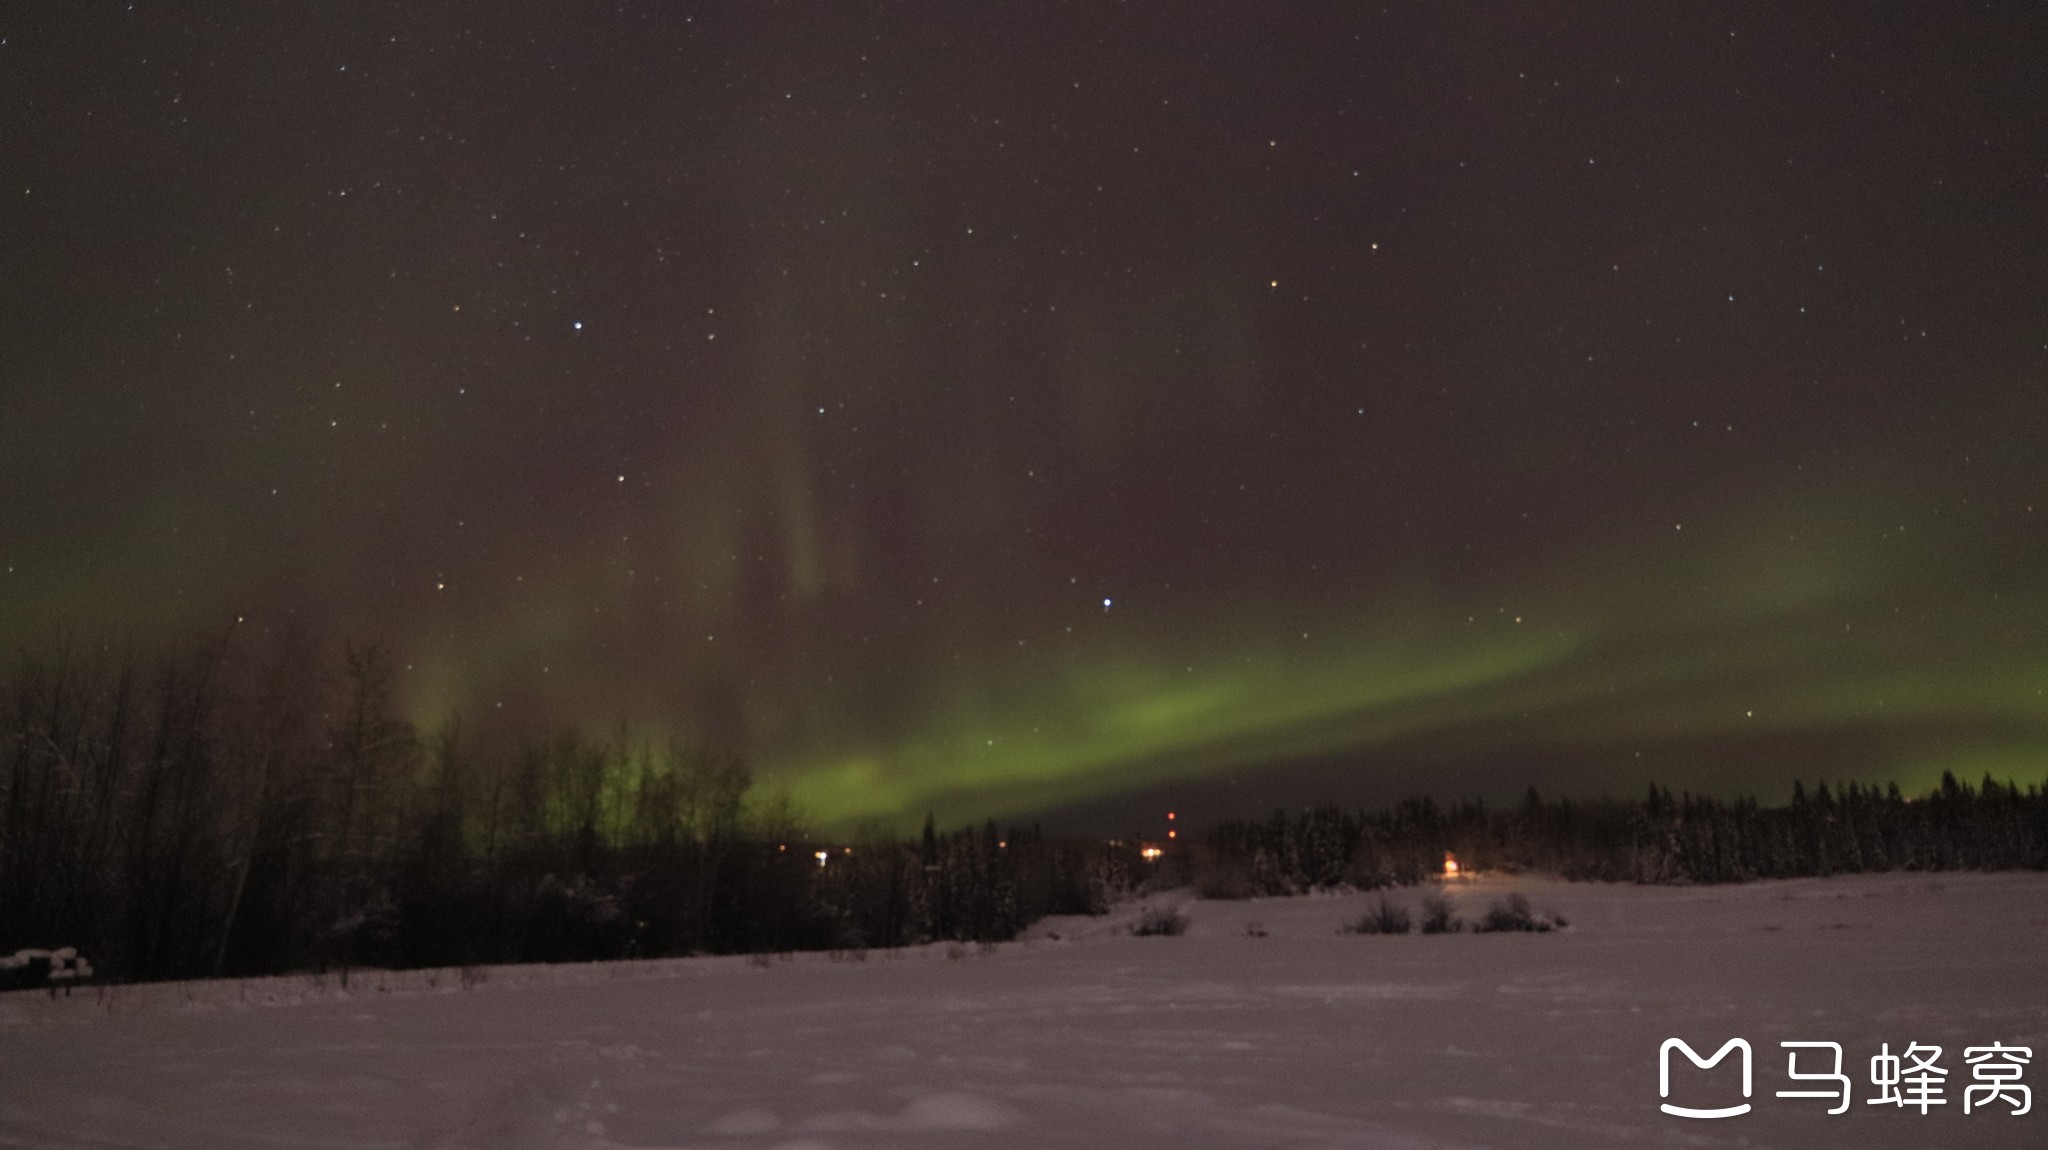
(1161, 922)
(1512, 913)
(1437, 917)
(1385, 917)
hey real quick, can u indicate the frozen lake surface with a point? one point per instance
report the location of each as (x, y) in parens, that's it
(1262, 1026)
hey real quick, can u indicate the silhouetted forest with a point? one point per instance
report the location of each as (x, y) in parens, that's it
(1660, 839)
(209, 812)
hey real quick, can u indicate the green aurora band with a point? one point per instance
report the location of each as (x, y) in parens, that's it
(1788, 661)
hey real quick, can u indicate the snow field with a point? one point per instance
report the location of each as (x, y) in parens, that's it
(1079, 1034)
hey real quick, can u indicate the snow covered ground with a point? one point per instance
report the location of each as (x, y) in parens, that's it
(1082, 1035)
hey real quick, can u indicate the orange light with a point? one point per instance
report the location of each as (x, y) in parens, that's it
(1451, 868)
(1169, 815)
(1173, 834)
(822, 856)
(1151, 854)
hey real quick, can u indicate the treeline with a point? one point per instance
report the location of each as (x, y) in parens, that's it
(211, 812)
(1659, 839)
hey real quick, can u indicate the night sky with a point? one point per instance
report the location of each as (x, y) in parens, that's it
(1024, 408)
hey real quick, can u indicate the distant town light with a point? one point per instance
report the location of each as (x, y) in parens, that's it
(1451, 868)
(822, 856)
(1151, 854)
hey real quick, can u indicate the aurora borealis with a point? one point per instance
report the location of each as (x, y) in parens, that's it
(1020, 409)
